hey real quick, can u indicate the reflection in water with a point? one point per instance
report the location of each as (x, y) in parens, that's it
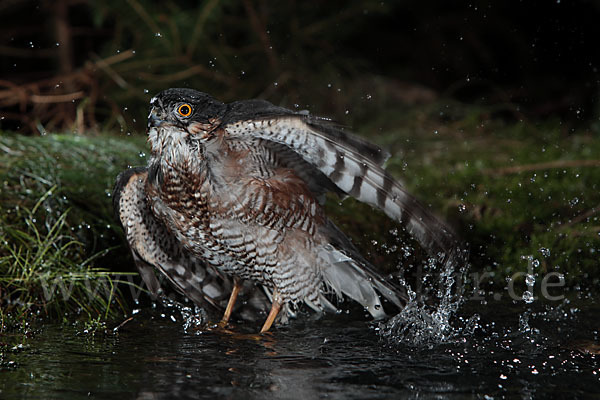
(540, 350)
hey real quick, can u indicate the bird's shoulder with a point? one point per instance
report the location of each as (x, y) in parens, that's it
(244, 110)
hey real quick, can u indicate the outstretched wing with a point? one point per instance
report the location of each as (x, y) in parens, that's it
(153, 246)
(318, 183)
(352, 164)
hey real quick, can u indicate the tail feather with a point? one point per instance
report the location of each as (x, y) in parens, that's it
(347, 277)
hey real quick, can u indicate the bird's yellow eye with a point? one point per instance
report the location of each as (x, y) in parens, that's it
(185, 110)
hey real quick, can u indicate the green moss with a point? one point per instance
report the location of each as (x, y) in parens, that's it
(513, 189)
(57, 232)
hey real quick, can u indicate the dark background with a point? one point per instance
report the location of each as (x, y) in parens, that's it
(91, 66)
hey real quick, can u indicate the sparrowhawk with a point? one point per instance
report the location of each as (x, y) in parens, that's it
(239, 189)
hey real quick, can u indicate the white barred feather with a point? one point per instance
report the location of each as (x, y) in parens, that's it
(354, 166)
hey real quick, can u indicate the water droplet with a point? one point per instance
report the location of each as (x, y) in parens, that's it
(158, 34)
(530, 280)
(146, 91)
(527, 297)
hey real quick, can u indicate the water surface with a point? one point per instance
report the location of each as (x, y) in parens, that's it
(516, 350)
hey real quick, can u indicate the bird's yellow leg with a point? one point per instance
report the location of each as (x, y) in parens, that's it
(237, 285)
(275, 307)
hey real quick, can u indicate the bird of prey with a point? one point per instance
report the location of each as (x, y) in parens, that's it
(241, 187)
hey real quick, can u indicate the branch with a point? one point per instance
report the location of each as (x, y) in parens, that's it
(60, 98)
(261, 32)
(581, 217)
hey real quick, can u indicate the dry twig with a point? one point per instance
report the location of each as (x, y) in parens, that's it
(48, 103)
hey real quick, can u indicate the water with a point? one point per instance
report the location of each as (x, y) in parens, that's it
(511, 349)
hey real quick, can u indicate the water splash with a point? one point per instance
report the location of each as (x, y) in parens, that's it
(193, 317)
(422, 323)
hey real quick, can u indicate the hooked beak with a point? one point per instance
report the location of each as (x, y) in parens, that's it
(154, 120)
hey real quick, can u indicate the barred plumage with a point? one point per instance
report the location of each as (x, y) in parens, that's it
(241, 185)
(153, 246)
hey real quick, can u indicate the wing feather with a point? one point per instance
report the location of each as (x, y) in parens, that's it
(355, 167)
(153, 246)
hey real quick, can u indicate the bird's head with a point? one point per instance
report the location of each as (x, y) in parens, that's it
(181, 115)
